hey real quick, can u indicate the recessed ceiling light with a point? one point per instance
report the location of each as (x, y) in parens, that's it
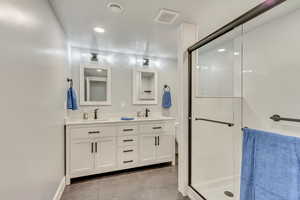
(236, 53)
(115, 7)
(99, 70)
(99, 30)
(221, 50)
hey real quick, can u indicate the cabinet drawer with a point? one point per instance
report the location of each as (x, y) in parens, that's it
(152, 128)
(127, 130)
(80, 133)
(128, 156)
(128, 140)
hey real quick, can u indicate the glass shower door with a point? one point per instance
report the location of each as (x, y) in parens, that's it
(215, 138)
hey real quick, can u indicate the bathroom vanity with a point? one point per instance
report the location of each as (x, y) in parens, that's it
(100, 146)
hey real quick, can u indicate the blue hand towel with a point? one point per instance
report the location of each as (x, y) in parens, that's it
(270, 166)
(166, 99)
(72, 99)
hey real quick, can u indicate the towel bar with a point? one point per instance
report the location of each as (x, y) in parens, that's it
(214, 121)
(277, 118)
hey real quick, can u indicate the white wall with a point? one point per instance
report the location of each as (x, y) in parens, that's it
(32, 85)
(216, 13)
(122, 66)
(271, 70)
(218, 74)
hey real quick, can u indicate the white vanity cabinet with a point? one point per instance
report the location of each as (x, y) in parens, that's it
(156, 143)
(106, 154)
(90, 149)
(99, 147)
(82, 158)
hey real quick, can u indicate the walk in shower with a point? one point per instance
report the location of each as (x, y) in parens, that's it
(240, 76)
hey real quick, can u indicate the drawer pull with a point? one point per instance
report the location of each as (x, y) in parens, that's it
(158, 127)
(127, 151)
(131, 140)
(128, 161)
(94, 132)
(127, 130)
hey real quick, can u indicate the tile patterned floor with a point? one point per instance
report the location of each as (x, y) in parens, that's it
(155, 183)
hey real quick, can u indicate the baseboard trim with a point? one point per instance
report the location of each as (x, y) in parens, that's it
(192, 194)
(60, 189)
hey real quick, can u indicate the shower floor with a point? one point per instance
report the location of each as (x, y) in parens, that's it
(216, 191)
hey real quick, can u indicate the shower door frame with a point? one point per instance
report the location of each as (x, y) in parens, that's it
(251, 14)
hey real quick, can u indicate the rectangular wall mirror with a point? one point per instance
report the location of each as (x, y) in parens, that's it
(144, 86)
(95, 85)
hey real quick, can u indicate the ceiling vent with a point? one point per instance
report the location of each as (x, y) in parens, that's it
(166, 16)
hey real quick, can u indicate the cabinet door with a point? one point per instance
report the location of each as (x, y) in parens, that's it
(165, 148)
(105, 154)
(147, 149)
(82, 158)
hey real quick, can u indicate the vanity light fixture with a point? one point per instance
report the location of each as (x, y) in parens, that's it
(221, 50)
(99, 30)
(94, 57)
(146, 62)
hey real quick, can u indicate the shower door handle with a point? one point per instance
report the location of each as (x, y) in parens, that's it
(214, 121)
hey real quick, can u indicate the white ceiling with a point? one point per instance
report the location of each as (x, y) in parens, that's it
(135, 31)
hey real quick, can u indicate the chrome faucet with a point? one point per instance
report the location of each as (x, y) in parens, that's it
(147, 112)
(96, 113)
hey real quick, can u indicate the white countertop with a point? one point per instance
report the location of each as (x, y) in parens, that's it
(115, 120)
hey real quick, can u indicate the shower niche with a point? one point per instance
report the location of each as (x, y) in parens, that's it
(144, 86)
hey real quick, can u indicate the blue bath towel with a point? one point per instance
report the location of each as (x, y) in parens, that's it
(72, 99)
(270, 166)
(166, 99)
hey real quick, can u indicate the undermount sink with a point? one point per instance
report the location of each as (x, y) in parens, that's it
(99, 120)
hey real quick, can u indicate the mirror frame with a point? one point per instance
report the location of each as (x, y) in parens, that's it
(108, 86)
(135, 87)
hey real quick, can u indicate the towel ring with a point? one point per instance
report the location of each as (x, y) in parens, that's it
(167, 88)
(70, 81)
